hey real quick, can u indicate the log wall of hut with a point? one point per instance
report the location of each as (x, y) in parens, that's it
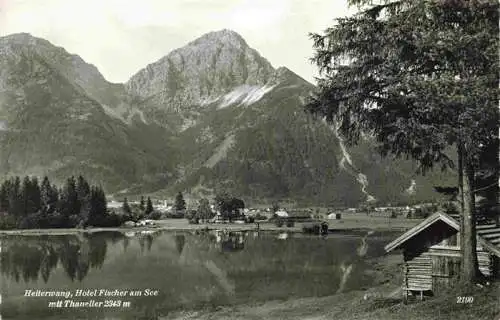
(445, 266)
(432, 259)
(418, 273)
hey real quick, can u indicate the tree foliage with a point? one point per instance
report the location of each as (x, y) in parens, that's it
(204, 212)
(29, 204)
(126, 207)
(180, 203)
(149, 207)
(228, 206)
(418, 75)
(421, 77)
(97, 209)
(142, 204)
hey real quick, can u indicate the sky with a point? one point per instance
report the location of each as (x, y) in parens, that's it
(120, 37)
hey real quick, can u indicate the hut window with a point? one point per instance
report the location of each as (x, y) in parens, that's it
(444, 242)
(452, 241)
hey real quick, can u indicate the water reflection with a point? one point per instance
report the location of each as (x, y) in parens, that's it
(231, 241)
(283, 236)
(191, 270)
(29, 257)
(223, 240)
(180, 240)
(145, 242)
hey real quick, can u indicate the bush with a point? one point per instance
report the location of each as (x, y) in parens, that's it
(31, 221)
(250, 220)
(259, 216)
(449, 208)
(111, 220)
(190, 214)
(7, 222)
(155, 215)
(425, 211)
(174, 215)
(53, 220)
(73, 221)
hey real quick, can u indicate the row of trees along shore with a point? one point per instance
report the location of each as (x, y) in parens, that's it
(421, 77)
(138, 212)
(228, 206)
(27, 203)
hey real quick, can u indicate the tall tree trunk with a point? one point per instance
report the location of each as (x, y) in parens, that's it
(468, 223)
(461, 187)
(497, 197)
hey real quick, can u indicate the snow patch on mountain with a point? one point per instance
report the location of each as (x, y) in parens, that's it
(245, 94)
(347, 164)
(235, 96)
(257, 94)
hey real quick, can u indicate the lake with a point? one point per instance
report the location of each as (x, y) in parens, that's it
(171, 271)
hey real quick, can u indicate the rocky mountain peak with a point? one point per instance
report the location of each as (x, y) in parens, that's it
(204, 69)
(286, 76)
(225, 36)
(16, 47)
(25, 39)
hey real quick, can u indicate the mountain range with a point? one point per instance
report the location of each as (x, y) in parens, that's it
(213, 115)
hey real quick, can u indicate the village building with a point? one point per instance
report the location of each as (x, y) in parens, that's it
(114, 204)
(432, 258)
(334, 216)
(164, 206)
(282, 213)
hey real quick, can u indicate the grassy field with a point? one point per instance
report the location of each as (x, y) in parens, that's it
(363, 221)
(348, 222)
(352, 306)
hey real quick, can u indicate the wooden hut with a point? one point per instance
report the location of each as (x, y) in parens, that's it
(431, 254)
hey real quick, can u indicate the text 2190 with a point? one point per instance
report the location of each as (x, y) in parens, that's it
(465, 299)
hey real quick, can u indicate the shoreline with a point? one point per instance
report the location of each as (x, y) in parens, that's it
(183, 226)
(378, 301)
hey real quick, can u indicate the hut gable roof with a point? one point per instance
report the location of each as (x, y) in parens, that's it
(487, 235)
(438, 216)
